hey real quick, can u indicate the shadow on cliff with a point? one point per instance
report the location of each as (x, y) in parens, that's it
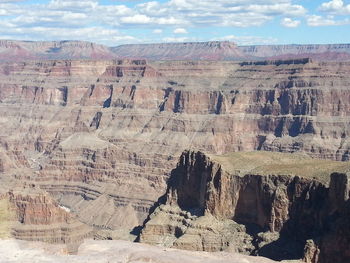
(287, 247)
(301, 226)
(284, 248)
(289, 217)
(137, 230)
(308, 220)
(173, 182)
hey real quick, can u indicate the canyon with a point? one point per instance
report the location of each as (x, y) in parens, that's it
(91, 147)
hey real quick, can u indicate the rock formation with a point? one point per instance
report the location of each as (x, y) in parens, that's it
(225, 50)
(12, 50)
(105, 134)
(34, 216)
(281, 216)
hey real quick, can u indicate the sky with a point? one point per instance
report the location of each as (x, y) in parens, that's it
(116, 22)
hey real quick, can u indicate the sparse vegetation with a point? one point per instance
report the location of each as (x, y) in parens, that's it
(266, 163)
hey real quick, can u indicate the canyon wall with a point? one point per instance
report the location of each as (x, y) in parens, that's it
(102, 136)
(209, 207)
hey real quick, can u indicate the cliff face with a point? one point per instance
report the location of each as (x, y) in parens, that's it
(203, 194)
(106, 134)
(33, 215)
(214, 50)
(265, 201)
(12, 50)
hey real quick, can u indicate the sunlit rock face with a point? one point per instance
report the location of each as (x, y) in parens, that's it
(102, 136)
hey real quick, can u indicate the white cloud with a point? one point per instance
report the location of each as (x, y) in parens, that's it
(136, 19)
(170, 21)
(180, 31)
(153, 8)
(245, 19)
(181, 13)
(335, 7)
(176, 39)
(279, 8)
(74, 16)
(72, 5)
(316, 20)
(288, 22)
(39, 21)
(236, 13)
(157, 31)
(94, 34)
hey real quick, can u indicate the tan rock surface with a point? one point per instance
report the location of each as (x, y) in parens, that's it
(106, 134)
(33, 215)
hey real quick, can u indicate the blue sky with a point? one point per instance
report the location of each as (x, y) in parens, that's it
(114, 22)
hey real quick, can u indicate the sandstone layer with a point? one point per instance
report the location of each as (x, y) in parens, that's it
(12, 50)
(225, 50)
(31, 214)
(101, 137)
(254, 208)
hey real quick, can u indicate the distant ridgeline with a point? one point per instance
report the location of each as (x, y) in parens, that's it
(11, 50)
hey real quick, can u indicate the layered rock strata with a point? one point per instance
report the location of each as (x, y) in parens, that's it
(106, 134)
(225, 50)
(242, 202)
(34, 216)
(12, 50)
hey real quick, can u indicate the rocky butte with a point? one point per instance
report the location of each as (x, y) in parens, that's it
(248, 154)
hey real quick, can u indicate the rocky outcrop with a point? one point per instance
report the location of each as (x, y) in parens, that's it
(300, 211)
(106, 134)
(34, 216)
